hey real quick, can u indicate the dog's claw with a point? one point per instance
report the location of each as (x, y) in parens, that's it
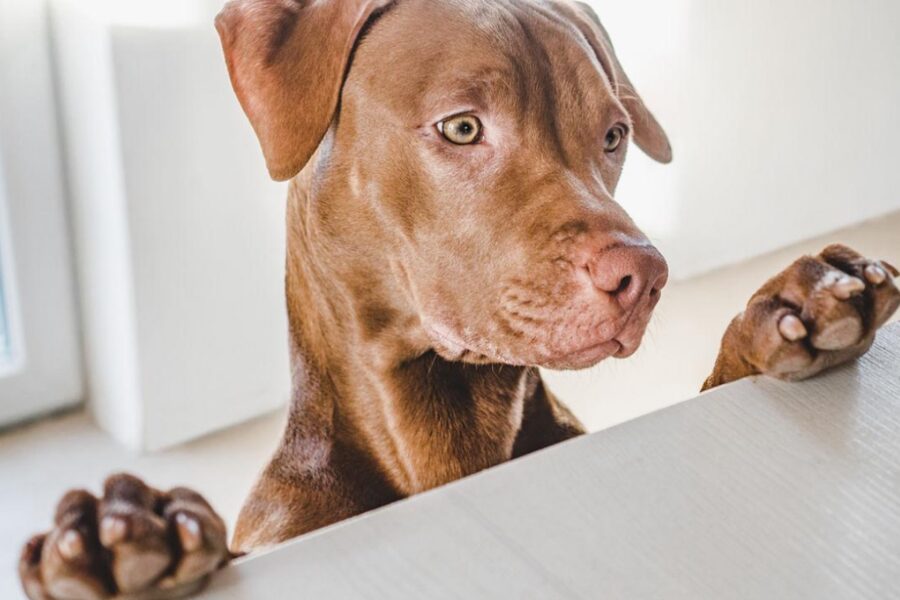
(189, 532)
(792, 328)
(70, 545)
(113, 530)
(875, 274)
(847, 287)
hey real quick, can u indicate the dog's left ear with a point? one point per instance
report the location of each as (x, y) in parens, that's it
(287, 60)
(648, 133)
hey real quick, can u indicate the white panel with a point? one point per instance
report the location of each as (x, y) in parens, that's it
(207, 228)
(180, 231)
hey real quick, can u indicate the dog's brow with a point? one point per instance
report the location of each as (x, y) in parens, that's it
(480, 84)
(476, 88)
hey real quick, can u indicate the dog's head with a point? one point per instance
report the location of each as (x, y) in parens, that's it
(478, 145)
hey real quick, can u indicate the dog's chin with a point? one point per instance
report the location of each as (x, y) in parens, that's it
(575, 356)
(583, 358)
(452, 349)
(588, 352)
(622, 346)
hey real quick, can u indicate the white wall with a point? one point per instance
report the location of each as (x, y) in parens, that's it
(783, 118)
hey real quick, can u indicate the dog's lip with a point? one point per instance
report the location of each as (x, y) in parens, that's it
(624, 351)
(591, 354)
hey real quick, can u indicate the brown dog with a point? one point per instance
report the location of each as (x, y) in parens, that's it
(451, 226)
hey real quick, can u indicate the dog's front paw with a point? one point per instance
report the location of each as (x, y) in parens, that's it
(135, 542)
(820, 312)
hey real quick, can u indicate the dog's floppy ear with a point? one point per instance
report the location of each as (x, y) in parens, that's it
(287, 60)
(648, 133)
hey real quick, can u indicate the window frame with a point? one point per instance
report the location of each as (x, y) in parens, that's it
(44, 373)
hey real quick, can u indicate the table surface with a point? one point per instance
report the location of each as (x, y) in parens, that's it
(758, 489)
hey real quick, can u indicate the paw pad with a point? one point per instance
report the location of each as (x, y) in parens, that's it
(839, 334)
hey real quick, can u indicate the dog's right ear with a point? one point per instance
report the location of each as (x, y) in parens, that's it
(648, 133)
(287, 60)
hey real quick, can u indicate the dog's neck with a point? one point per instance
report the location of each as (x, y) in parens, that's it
(364, 373)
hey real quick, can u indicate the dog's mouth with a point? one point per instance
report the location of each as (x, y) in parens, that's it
(452, 347)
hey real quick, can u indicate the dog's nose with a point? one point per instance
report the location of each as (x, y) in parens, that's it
(629, 273)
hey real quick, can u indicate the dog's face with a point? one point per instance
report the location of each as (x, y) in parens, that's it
(484, 140)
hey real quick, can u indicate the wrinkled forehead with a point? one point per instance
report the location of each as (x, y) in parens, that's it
(423, 57)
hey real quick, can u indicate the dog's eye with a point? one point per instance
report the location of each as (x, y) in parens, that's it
(614, 138)
(461, 129)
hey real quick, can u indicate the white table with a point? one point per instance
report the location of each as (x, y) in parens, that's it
(758, 489)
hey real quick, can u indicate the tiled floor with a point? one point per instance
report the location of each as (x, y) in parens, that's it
(39, 462)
